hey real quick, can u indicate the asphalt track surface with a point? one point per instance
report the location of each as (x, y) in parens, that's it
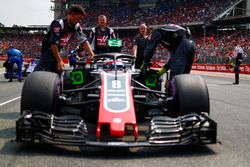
(230, 108)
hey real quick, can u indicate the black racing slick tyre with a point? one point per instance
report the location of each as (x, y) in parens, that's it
(40, 92)
(190, 95)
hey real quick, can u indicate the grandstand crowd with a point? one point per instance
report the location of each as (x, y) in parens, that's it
(170, 11)
(211, 48)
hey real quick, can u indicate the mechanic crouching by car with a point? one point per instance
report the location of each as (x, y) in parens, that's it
(178, 41)
(58, 36)
(15, 57)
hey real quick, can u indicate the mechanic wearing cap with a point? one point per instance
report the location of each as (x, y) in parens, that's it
(238, 57)
(100, 35)
(15, 57)
(58, 36)
(139, 44)
(178, 41)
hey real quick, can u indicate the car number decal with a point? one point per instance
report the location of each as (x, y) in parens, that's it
(116, 96)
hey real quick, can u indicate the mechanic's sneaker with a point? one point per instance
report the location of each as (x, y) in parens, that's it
(19, 80)
(10, 80)
(235, 83)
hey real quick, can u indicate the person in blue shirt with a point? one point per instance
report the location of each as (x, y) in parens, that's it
(15, 57)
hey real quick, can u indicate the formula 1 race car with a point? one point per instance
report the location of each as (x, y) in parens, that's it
(111, 104)
(29, 67)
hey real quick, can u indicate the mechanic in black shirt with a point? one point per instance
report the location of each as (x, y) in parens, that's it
(100, 35)
(58, 36)
(178, 41)
(139, 44)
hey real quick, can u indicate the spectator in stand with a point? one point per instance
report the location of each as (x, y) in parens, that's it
(139, 44)
(182, 49)
(58, 36)
(100, 35)
(237, 56)
(15, 57)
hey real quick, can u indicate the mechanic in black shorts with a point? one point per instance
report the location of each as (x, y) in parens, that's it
(58, 36)
(100, 35)
(139, 44)
(177, 40)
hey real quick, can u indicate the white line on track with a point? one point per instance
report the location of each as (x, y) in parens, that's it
(6, 102)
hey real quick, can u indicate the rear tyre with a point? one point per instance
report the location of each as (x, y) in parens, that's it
(40, 92)
(190, 94)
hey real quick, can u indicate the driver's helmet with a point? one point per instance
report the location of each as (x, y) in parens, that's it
(109, 65)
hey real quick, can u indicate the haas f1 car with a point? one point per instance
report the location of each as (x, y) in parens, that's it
(111, 104)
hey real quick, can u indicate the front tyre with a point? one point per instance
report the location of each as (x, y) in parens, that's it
(40, 92)
(190, 95)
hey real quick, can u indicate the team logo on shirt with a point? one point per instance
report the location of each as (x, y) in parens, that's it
(64, 40)
(102, 40)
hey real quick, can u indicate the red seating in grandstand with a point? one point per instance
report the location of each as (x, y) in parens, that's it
(173, 11)
(215, 47)
(214, 50)
(29, 44)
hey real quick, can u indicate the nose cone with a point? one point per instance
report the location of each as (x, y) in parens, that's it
(117, 128)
